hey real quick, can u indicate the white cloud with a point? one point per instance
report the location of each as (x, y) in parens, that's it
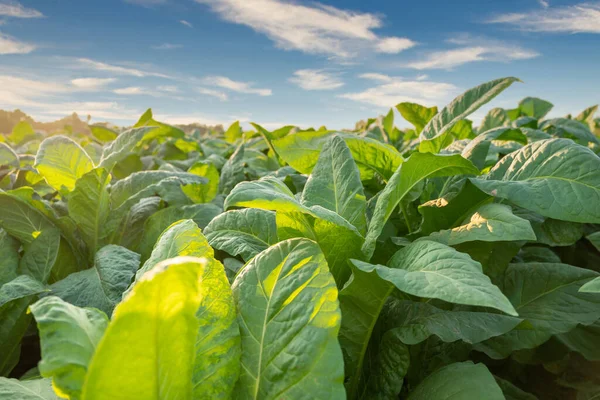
(236, 86)
(43, 98)
(168, 89)
(316, 79)
(376, 77)
(579, 18)
(16, 10)
(10, 45)
(91, 83)
(100, 66)
(397, 90)
(394, 45)
(167, 46)
(544, 3)
(315, 29)
(132, 90)
(472, 50)
(186, 23)
(214, 93)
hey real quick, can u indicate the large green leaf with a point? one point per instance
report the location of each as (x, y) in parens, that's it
(301, 150)
(433, 270)
(534, 107)
(207, 192)
(233, 133)
(89, 206)
(182, 238)
(8, 158)
(37, 389)
(267, 193)
(243, 232)
(69, 336)
(450, 210)
(434, 134)
(41, 255)
(233, 171)
(289, 320)
(458, 381)
(495, 118)
(218, 351)
(547, 296)
(416, 114)
(61, 162)
(488, 223)
(141, 184)
(148, 349)
(388, 360)
(21, 219)
(123, 145)
(592, 286)
(335, 184)
(102, 285)
(9, 262)
(217, 365)
(555, 178)
(15, 321)
(338, 240)
(415, 170)
(361, 301)
(154, 226)
(415, 322)
(103, 133)
(20, 287)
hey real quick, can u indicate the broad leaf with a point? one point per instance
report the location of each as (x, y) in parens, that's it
(154, 226)
(62, 162)
(102, 285)
(416, 114)
(434, 134)
(289, 315)
(417, 168)
(123, 145)
(242, 232)
(89, 206)
(41, 255)
(488, 223)
(37, 389)
(459, 381)
(555, 178)
(432, 270)
(335, 184)
(69, 336)
(148, 349)
(534, 107)
(547, 296)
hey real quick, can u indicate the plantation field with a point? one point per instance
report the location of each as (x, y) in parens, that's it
(445, 261)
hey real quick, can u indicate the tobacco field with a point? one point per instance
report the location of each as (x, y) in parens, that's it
(447, 261)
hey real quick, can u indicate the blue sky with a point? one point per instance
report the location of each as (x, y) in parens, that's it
(279, 62)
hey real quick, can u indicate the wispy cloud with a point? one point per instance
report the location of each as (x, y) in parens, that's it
(579, 18)
(169, 89)
(315, 29)
(10, 45)
(186, 23)
(394, 45)
(117, 69)
(472, 50)
(52, 100)
(16, 10)
(544, 3)
(374, 76)
(236, 86)
(167, 46)
(92, 83)
(394, 90)
(131, 90)
(213, 93)
(316, 79)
